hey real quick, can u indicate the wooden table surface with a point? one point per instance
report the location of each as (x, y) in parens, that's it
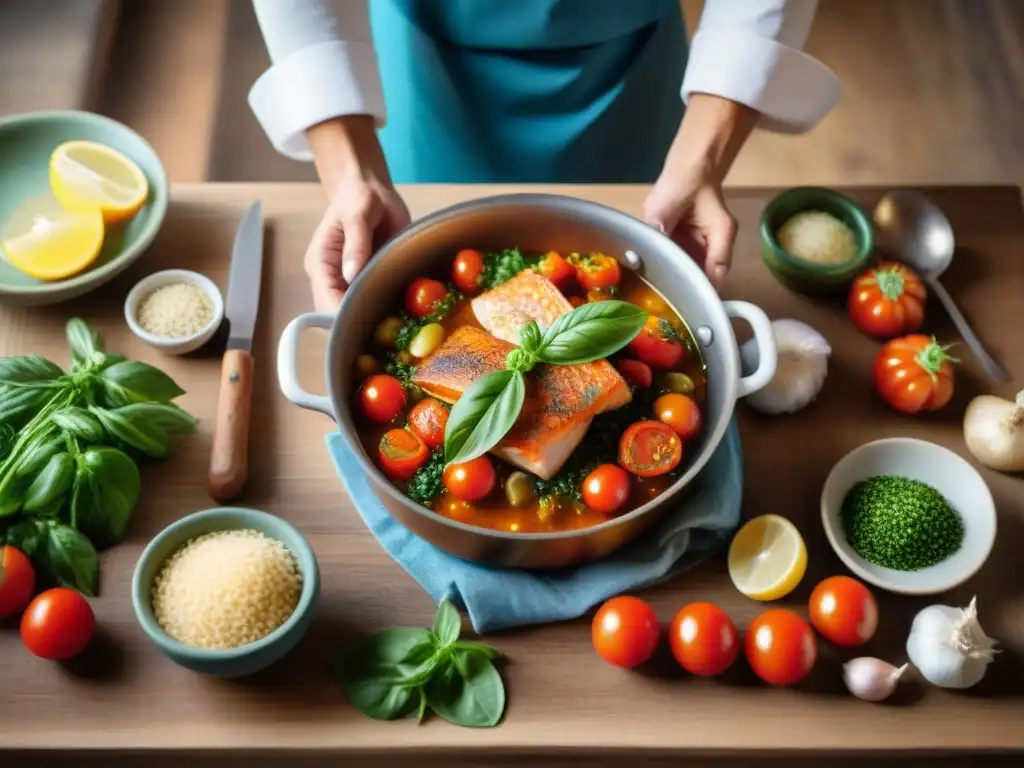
(123, 694)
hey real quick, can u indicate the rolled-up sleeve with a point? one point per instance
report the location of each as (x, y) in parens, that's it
(323, 65)
(750, 51)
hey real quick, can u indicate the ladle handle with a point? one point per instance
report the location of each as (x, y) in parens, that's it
(992, 366)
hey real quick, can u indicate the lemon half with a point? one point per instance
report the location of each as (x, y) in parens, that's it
(47, 242)
(767, 558)
(85, 175)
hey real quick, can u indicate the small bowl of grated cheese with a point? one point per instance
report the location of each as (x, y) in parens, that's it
(176, 311)
(227, 591)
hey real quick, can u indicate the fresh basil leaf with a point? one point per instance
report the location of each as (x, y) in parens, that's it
(142, 382)
(71, 558)
(105, 492)
(27, 535)
(79, 423)
(370, 672)
(28, 369)
(137, 431)
(18, 402)
(38, 454)
(483, 415)
(50, 484)
(172, 420)
(470, 647)
(473, 697)
(84, 343)
(7, 438)
(447, 623)
(591, 332)
(530, 337)
(421, 710)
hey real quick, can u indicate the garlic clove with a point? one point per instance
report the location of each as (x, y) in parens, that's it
(871, 679)
(801, 370)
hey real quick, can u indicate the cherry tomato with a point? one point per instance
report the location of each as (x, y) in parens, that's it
(679, 412)
(401, 453)
(844, 611)
(427, 420)
(422, 296)
(887, 301)
(595, 295)
(625, 631)
(576, 301)
(914, 373)
(650, 448)
(606, 489)
(471, 481)
(636, 373)
(382, 398)
(57, 624)
(658, 344)
(557, 270)
(780, 647)
(597, 271)
(468, 270)
(704, 639)
(17, 581)
(366, 366)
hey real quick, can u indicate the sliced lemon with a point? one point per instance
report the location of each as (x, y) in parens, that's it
(767, 558)
(85, 175)
(48, 242)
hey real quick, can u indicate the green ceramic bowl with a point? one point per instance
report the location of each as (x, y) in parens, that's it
(26, 143)
(803, 276)
(246, 659)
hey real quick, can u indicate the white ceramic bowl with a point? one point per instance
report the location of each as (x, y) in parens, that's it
(944, 471)
(185, 344)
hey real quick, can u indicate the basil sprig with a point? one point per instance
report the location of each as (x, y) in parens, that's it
(404, 671)
(486, 411)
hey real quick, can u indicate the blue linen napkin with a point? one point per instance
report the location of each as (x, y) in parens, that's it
(497, 599)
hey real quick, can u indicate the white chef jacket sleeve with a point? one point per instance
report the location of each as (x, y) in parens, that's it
(323, 65)
(749, 51)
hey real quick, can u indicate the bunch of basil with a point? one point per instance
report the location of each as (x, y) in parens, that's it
(68, 442)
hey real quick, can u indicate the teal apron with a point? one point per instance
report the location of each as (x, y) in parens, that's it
(571, 91)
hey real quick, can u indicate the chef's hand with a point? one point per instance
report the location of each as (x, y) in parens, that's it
(686, 202)
(364, 209)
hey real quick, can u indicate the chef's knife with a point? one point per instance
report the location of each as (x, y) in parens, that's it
(229, 458)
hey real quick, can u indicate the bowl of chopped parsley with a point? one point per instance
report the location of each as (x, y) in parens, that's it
(908, 516)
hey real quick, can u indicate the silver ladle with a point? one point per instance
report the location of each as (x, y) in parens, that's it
(912, 228)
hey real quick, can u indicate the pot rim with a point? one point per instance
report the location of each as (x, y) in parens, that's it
(565, 203)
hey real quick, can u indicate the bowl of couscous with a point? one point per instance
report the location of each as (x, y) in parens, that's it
(816, 240)
(227, 591)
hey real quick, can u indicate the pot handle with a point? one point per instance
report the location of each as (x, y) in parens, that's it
(764, 338)
(288, 363)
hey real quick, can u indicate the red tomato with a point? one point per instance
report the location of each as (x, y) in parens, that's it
(844, 611)
(401, 453)
(471, 481)
(427, 420)
(636, 373)
(781, 647)
(557, 270)
(887, 301)
(57, 624)
(382, 398)
(595, 295)
(650, 448)
(658, 344)
(679, 412)
(17, 581)
(704, 639)
(468, 270)
(606, 489)
(576, 301)
(422, 296)
(625, 631)
(914, 373)
(597, 271)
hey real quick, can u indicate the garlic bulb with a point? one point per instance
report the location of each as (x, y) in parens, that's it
(948, 646)
(994, 432)
(871, 679)
(803, 365)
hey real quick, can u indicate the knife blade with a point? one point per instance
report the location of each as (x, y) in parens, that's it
(229, 455)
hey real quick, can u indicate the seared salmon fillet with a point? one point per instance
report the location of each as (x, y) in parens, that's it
(504, 310)
(561, 400)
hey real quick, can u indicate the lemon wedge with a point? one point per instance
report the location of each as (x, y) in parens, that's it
(47, 242)
(85, 175)
(767, 558)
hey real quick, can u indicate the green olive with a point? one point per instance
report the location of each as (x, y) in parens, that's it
(366, 366)
(415, 394)
(404, 357)
(519, 489)
(386, 334)
(674, 381)
(426, 340)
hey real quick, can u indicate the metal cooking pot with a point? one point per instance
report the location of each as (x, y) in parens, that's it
(532, 222)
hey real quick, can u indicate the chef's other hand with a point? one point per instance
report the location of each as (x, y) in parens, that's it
(364, 209)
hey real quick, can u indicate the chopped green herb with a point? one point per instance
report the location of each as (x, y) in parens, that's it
(401, 371)
(426, 485)
(502, 266)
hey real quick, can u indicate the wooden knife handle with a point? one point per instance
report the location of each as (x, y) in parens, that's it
(229, 457)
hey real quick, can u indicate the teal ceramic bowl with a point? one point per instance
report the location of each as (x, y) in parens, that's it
(26, 143)
(804, 276)
(249, 658)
